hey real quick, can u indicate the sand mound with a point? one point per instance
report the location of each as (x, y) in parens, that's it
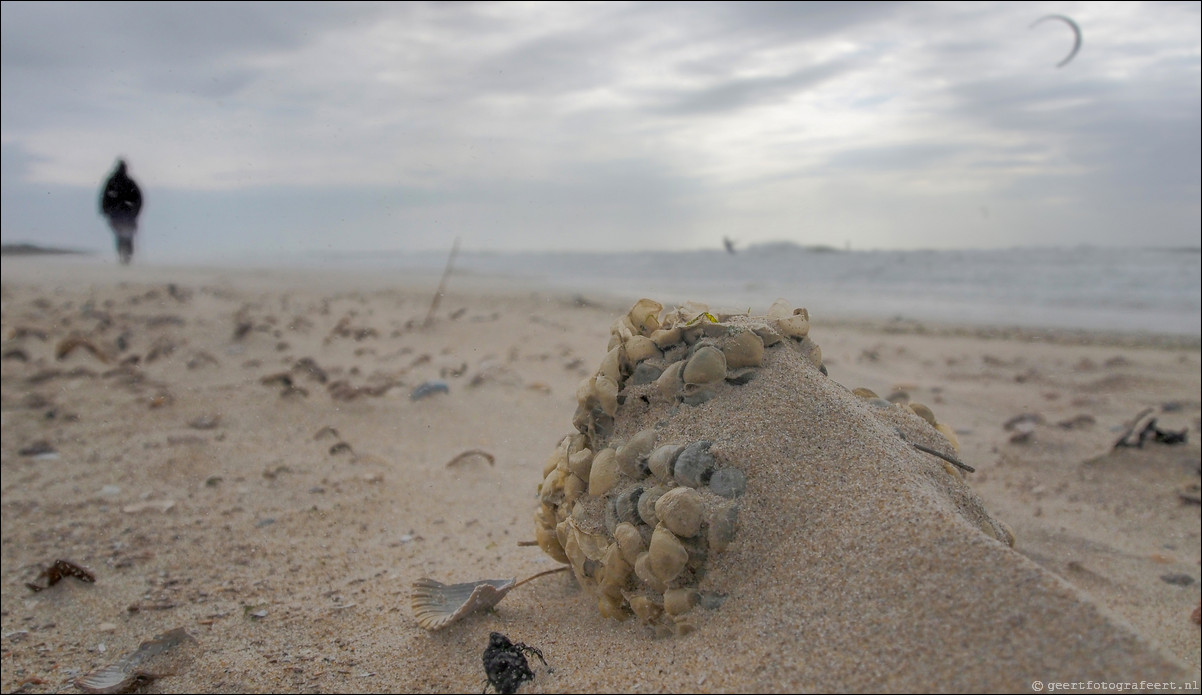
(856, 560)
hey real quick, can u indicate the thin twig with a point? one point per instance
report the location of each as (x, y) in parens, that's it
(531, 578)
(527, 544)
(958, 464)
(442, 283)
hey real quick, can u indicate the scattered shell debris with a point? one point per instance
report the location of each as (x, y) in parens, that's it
(135, 668)
(436, 605)
(149, 505)
(428, 388)
(639, 518)
(492, 460)
(205, 422)
(39, 449)
(69, 344)
(60, 569)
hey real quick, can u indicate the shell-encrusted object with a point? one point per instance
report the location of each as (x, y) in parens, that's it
(641, 512)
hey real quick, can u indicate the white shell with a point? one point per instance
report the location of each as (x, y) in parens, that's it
(950, 434)
(580, 463)
(639, 348)
(548, 541)
(631, 457)
(744, 349)
(680, 601)
(923, 412)
(795, 326)
(629, 542)
(551, 491)
(560, 454)
(606, 391)
(611, 366)
(669, 382)
(644, 316)
(665, 338)
(647, 502)
(706, 365)
(666, 556)
(660, 461)
(604, 472)
(811, 351)
(573, 487)
(642, 570)
(780, 309)
(680, 509)
(646, 609)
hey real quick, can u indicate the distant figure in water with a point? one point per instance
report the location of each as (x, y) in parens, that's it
(121, 202)
(730, 245)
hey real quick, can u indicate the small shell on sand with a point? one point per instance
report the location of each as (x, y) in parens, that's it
(721, 528)
(728, 482)
(923, 412)
(581, 463)
(706, 365)
(661, 460)
(666, 556)
(680, 601)
(632, 457)
(743, 349)
(694, 465)
(680, 509)
(644, 316)
(669, 381)
(606, 391)
(630, 542)
(638, 349)
(603, 473)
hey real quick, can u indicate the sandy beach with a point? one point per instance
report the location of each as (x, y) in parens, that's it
(270, 459)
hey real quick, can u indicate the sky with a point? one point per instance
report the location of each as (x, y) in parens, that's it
(268, 129)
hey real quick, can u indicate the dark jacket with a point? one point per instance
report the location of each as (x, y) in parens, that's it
(122, 199)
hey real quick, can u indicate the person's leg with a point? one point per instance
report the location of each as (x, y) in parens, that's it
(124, 230)
(125, 249)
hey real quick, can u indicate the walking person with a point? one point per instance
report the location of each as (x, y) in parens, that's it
(121, 202)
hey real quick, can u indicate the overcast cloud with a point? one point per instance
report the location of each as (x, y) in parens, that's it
(269, 128)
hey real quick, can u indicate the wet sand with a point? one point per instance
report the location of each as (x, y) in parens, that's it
(237, 453)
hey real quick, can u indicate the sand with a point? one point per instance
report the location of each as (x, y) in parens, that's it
(282, 521)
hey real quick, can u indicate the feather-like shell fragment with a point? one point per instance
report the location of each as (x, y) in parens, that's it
(124, 675)
(436, 605)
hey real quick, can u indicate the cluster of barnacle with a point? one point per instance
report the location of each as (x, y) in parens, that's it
(638, 520)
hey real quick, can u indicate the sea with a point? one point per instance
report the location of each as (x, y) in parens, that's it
(1129, 290)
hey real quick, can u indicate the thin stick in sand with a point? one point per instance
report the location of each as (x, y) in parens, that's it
(927, 450)
(442, 284)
